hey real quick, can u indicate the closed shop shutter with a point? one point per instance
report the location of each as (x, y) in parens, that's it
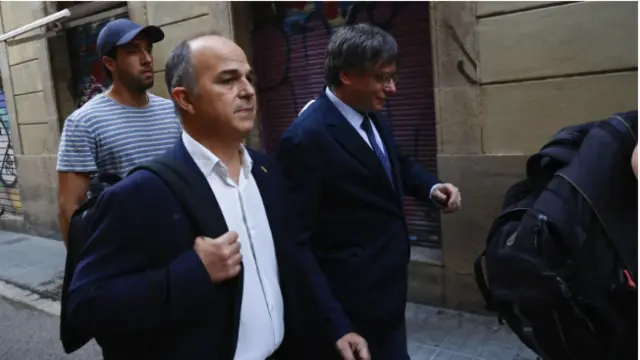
(289, 43)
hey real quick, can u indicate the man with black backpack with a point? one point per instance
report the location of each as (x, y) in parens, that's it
(561, 259)
(189, 256)
(116, 130)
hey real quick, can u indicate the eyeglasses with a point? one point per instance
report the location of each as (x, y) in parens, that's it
(386, 79)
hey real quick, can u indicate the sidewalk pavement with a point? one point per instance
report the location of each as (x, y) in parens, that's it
(31, 270)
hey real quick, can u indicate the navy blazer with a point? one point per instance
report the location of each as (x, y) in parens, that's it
(141, 289)
(351, 218)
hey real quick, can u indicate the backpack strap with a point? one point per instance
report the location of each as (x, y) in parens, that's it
(187, 190)
(175, 175)
(558, 152)
(629, 120)
(482, 282)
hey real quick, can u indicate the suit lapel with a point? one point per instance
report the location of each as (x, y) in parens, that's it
(210, 216)
(261, 175)
(211, 222)
(269, 194)
(350, 140)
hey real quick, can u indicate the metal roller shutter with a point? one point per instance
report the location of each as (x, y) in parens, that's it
(289, 42)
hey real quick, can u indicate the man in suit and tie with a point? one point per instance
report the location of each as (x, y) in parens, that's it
(148, 285)
(346, 178)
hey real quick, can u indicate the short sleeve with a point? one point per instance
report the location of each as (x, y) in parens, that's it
(77, 151)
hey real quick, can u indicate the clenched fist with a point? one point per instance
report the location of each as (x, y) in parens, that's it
(353, 347)
(447, 196)
(221, 256)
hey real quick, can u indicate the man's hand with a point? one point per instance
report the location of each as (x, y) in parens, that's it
(353, 347)
(448, 196)
(72, 192)
(221, 256)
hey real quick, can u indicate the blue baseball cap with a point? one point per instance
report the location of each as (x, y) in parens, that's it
(121, 31)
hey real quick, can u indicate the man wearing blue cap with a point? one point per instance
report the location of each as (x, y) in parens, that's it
(120, 128)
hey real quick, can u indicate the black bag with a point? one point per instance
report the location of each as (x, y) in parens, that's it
(561, 259)
(166, 169)
(73, 339)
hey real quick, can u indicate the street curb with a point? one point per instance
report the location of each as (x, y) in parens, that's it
(29, 298)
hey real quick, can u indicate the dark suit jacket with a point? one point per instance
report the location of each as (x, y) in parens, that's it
(141, 289)
(352, 220)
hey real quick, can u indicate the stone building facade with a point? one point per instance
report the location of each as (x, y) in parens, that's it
(502, 78)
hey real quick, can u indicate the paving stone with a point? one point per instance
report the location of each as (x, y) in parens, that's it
(442, 334)
(421, 352)
(448, 355)
(37, 264)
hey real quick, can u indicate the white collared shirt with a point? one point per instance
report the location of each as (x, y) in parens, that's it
(262, 310)
(353, 117)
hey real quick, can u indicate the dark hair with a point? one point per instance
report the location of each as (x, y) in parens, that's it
(113, 53)
(357, 47)
(179, 70)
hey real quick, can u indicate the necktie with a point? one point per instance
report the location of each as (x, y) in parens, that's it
(384, 159)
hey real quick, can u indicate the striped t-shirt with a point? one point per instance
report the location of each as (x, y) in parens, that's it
(107, 137)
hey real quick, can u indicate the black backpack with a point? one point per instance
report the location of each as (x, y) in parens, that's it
(73, 339)
(166, 169)
(561, 260)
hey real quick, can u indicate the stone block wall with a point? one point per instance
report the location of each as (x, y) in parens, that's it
(39, 99)
(186, 19)
(507, 75)
(180, 20)
(539, 66)
(27, 83)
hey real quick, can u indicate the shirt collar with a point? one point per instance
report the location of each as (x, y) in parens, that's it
(208, 162)
(354, 117)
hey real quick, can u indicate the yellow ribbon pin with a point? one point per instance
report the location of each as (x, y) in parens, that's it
(263, 168)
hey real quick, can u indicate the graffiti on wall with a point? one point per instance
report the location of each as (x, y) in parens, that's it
(9, 193)
(305, 21)
(295, 19)
(86, 66)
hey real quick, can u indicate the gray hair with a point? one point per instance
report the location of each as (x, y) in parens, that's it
(358, 47)
(180, 70)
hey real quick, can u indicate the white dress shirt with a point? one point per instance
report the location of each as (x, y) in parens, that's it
(262, 310)
(355, 119)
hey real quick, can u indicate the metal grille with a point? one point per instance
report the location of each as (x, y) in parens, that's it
(9, 194)
(289, 42)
